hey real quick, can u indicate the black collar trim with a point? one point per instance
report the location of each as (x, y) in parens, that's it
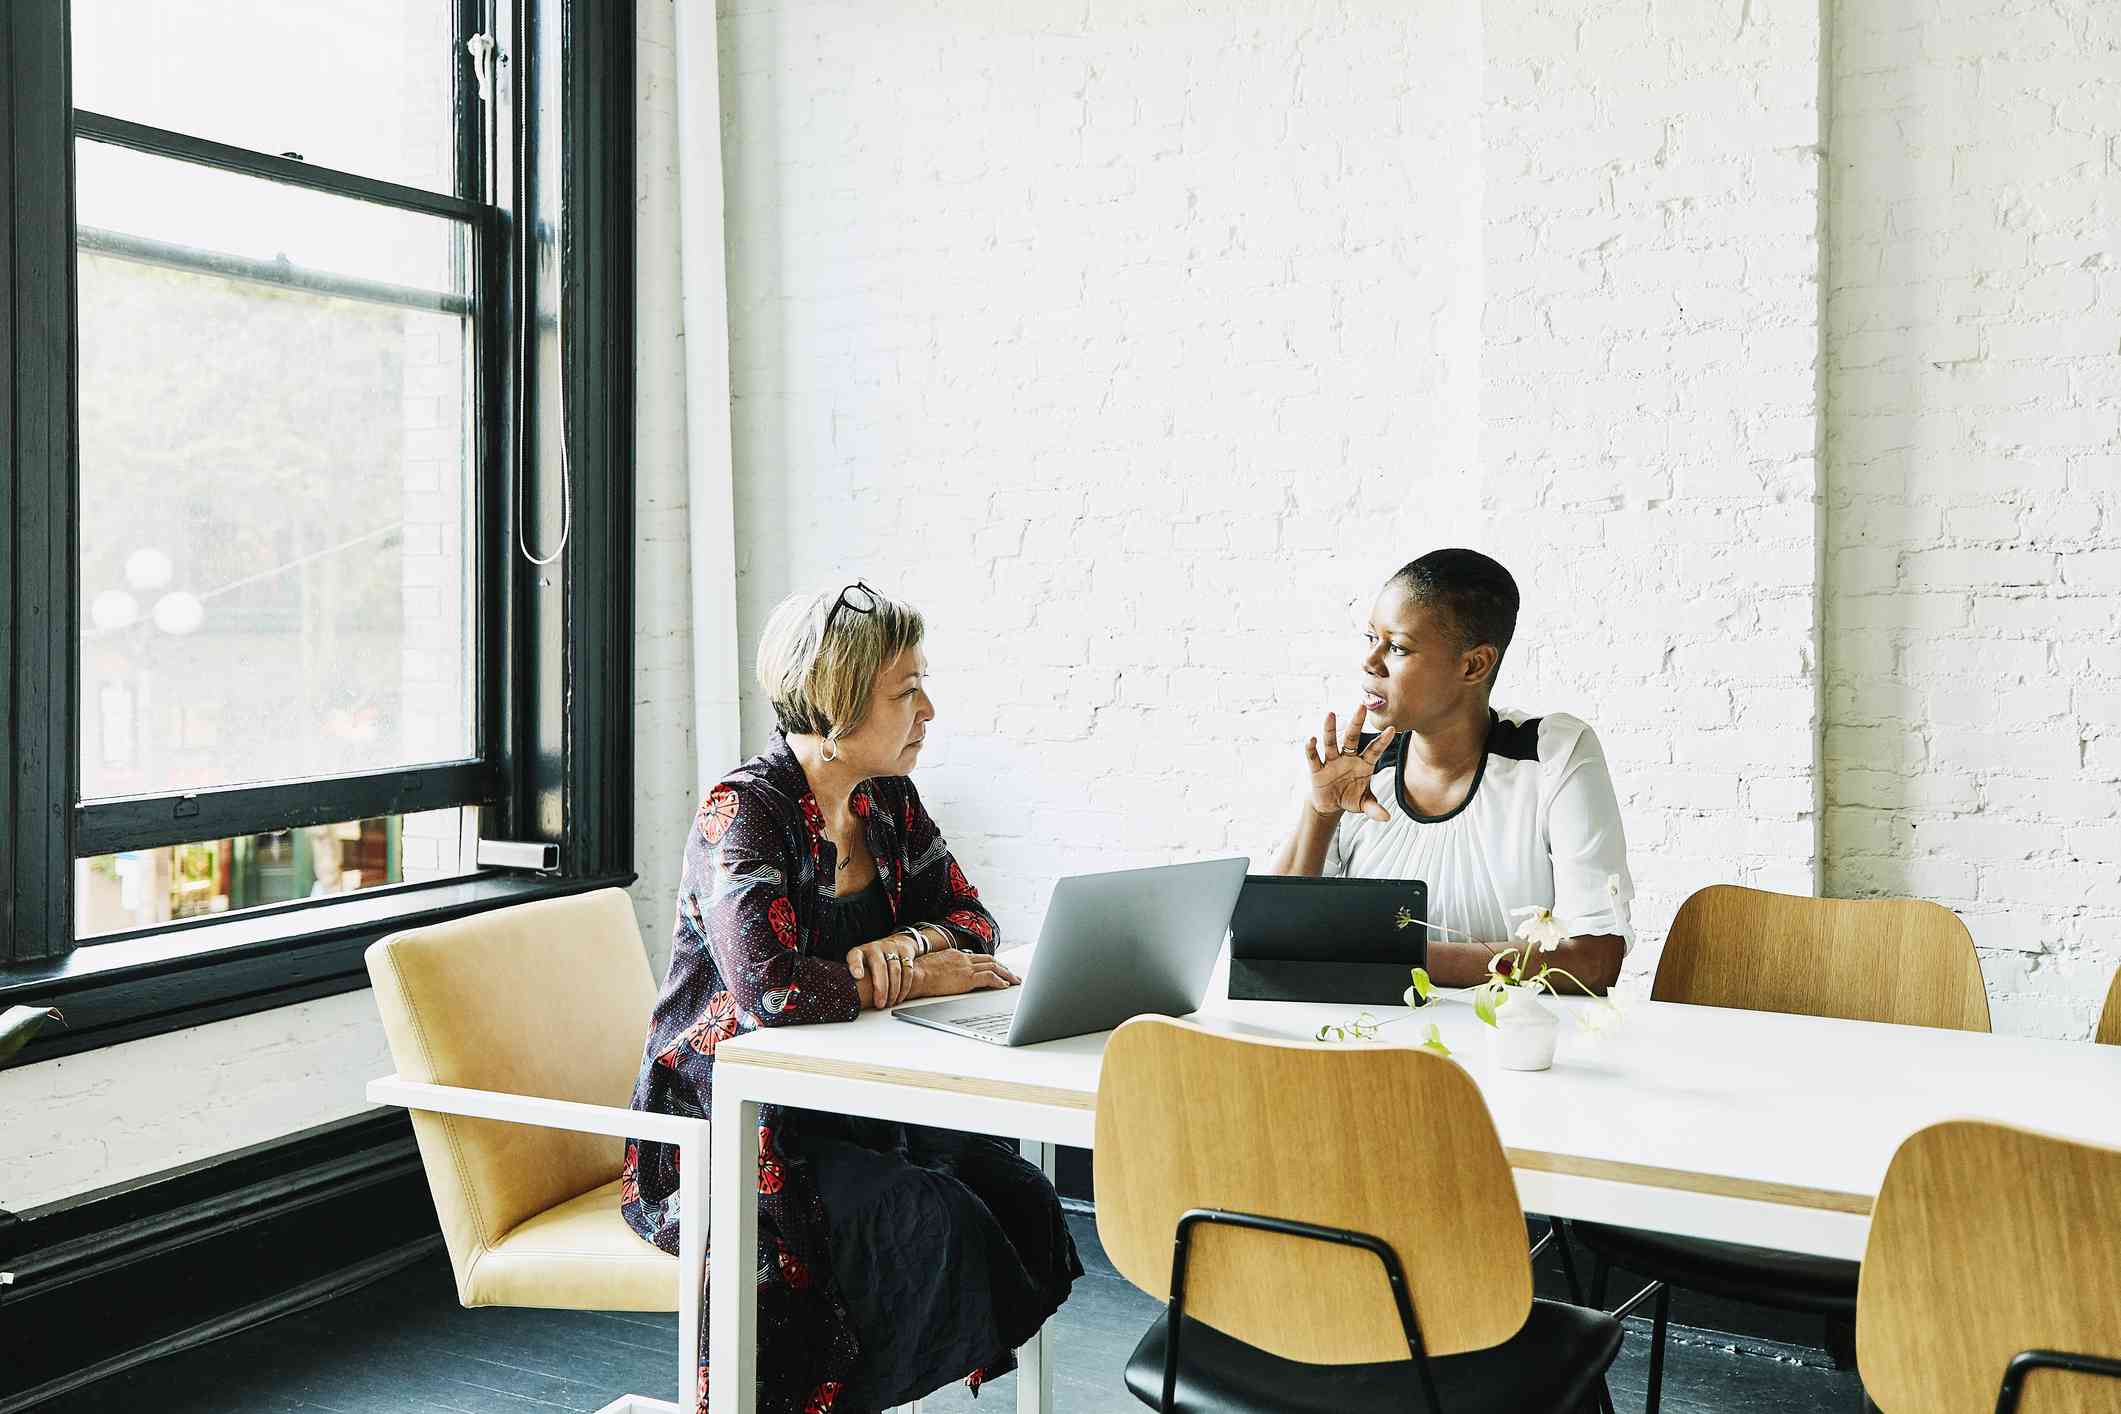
(1513, 741)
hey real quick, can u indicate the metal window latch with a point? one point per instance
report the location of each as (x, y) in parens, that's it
(481, 48)
(518, 854)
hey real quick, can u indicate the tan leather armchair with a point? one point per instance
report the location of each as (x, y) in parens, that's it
(517, 1036)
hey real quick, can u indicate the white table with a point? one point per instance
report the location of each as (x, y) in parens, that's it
(1744, 1126)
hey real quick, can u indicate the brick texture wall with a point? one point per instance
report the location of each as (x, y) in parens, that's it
(1123, 341)
(1649, 376)
(1137, 343)
(1973, 434)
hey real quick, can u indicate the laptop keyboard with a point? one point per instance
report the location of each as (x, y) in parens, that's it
(988, 1026)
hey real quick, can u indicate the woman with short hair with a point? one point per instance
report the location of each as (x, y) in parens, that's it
(893, 1258)
(1496, 811)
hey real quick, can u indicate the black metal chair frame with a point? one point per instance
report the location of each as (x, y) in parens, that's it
(1840, 1337)
(1557, 1237)
(1182, 1247)
(1395, 1274)
(1561, 1251)
(2024, 1363)
(2027, 1361)
(1660, 1320)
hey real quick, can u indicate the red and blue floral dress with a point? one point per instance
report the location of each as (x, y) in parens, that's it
(892, 1258)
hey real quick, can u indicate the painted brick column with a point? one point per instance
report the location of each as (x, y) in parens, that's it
(1650, 411)
(1974, 450)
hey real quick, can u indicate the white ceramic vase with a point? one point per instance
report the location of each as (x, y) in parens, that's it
(1524, 1031)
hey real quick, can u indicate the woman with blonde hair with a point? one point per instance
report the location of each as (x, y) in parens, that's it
(893, 1258)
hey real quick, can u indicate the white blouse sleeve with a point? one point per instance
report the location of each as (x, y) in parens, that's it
(1589, 848)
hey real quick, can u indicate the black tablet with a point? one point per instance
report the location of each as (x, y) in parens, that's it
(1327, 940)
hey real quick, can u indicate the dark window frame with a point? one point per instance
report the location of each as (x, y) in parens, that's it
(143, 822)
(553, 680)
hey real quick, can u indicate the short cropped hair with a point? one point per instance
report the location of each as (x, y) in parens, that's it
(1476, 595)
(818, 682)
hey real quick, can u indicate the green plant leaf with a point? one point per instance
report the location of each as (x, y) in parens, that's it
(18, 1024)
(1484, 1003)
(1434, 1041)
(1363, 1026)
(1423, 987)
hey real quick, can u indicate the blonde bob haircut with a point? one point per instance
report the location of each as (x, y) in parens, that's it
(820, 684)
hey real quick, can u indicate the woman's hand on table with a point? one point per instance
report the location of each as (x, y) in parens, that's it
(893, 969)
(1341, 769)
(954, 971)
(883, 970)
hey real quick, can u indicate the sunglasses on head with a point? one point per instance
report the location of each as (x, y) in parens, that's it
(865, 604)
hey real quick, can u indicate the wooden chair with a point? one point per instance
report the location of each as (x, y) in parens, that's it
(1893, 960)
(2109, 1032)
(1905, 961)
(1992, 1278)
(517, 1036)
(1347, 1233)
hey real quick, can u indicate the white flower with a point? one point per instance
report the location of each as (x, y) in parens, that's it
(1600, 1017)
(1540, 926)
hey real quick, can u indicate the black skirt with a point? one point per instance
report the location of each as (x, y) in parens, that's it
(949, 1250)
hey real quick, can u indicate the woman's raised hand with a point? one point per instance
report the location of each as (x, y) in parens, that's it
(953, 970)
(1340, 773)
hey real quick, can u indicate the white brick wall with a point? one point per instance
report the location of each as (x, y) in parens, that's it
(1141, 372)
(1974, 357)
(1648, 385)
(1138, 343)
(107, 1116)
(1124, 340)
(81, 1122)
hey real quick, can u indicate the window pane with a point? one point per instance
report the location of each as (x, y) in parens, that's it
(276, 570)
(139, 888)
(364, 87)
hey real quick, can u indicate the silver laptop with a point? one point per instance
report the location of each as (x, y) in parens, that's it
(1113, 946)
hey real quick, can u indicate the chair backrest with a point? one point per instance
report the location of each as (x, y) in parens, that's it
(1391, 1142)
(550, 999)
(2109, 1032)
(1987, 1241)
(1899, 960)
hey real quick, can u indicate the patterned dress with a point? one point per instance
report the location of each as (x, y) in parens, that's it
(761, 941)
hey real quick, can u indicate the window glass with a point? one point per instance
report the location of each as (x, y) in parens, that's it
(365, 87)
(141, 888)
(276, 481)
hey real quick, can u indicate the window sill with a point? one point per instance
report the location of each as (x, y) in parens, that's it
(149, 983)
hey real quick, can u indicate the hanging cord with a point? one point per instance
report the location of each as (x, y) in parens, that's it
(482, 49)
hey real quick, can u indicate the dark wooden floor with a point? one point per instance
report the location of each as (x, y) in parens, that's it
(403, 1344)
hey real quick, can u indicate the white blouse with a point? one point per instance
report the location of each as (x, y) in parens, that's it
(1540, 826)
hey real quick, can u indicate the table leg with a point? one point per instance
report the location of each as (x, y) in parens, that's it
(1034, 1362)
(733, 1297)
(694, 1161)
